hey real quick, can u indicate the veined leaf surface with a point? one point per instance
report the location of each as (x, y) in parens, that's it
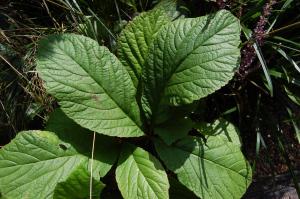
(91, 85)
(77, 186)
(221, 128)
(135, 39)
(140, 175)
(216, 169)
(34, 162)
(106, 148)
(189, 59)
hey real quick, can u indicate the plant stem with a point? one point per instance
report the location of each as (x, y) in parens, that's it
(92, 161)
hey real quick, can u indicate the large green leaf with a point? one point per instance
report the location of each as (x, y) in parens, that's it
(34, 162)
(216, 169)
(92, 86)
(77, 186)
(106, 148)
(136, 38)
(140, 175)
(190, 59)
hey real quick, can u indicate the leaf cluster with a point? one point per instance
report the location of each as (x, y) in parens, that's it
(164, 64)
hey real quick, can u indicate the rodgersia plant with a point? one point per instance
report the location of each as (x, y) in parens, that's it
(162, 65)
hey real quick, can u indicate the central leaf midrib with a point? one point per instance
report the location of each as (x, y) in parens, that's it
(137, 165)
(42, 161)
(112, 99)
(181, 61)
(192, 51)
(42, 174)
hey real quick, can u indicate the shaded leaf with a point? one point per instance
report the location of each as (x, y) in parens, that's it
(77, 185)
(174, 129)
(178, 191)
(106, 148)
(216, 169)
(221, 128)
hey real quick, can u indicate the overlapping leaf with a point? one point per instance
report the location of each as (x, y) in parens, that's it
(77, 186)
(216, 169)
(91, 85)
(189, 59)
(221, 128)
(34, 162)
(106, 148)
(135, 39)
(174, 129)
(179, 62)
(140, 175)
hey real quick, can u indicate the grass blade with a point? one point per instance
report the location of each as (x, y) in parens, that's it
(287, 57)
(264, 66)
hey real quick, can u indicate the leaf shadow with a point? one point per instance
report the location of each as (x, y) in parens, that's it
(202, 170)
(188, 148)
(81, 139)
(221, 128)
(129, 149)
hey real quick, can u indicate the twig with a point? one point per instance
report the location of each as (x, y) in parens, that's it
(8, 118)
(92, 160)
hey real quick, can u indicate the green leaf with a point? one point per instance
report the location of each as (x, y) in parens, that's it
(221, 128)
(174, 129)
(216, 169)
(34, 162)
(77, 186)
(135, 39)
(190, 59)
(91, 85)
(106, 149)
(140, 175)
